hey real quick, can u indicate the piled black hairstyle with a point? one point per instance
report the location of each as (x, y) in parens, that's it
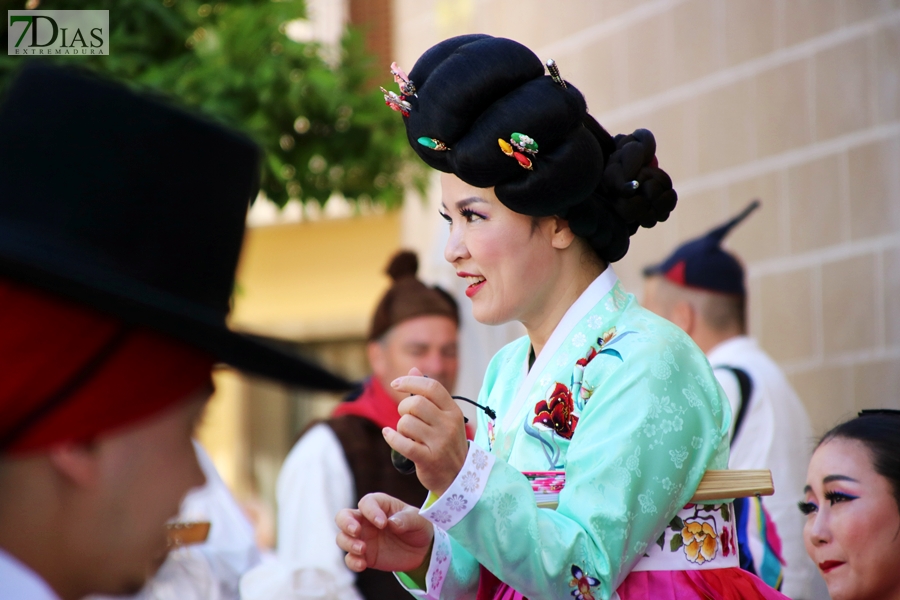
(879, 432)
(472, 90)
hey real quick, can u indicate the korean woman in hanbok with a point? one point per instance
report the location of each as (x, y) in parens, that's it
(540, 199)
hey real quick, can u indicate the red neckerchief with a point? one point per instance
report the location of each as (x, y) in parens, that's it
(374, 404)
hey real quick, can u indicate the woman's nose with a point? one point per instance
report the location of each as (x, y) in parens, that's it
(456, 247)
(819, 530)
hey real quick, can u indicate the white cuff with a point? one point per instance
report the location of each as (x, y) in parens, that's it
(463, 493)
(437, 568)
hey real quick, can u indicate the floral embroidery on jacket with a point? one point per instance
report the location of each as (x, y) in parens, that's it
(582, 584)
(582, 393)
(557, 412)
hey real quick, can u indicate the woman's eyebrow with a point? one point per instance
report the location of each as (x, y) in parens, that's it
(830, 478)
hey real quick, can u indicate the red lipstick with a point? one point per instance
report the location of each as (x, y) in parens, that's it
(829, 565)
(473, 288)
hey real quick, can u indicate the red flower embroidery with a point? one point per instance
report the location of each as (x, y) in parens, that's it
(556, 413)
(726, 541)
(583, 362)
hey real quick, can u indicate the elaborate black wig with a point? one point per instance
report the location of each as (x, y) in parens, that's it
(472, 90)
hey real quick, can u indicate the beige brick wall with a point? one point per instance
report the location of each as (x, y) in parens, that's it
(796, 102)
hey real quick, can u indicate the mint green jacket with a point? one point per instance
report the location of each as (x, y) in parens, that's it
(622, 401)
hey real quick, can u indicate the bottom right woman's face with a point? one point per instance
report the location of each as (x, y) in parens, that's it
(852, 530)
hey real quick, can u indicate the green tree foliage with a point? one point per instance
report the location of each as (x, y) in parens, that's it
(323, 125)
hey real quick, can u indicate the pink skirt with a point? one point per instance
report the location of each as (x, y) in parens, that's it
(711, 584)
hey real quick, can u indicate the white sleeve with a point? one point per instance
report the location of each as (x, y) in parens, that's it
(314, 484)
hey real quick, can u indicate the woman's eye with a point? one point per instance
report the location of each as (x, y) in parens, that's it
(837, 497)
(445, 217)
(470, 215)
(807, 508)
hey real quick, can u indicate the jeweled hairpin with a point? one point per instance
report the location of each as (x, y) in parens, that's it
(434, 144)
(396, 102)
(554, 73)
(517, 146)
(403, 80)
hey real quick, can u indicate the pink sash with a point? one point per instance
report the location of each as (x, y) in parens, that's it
(695, 558)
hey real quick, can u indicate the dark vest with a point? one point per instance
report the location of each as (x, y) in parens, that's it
(369, 458)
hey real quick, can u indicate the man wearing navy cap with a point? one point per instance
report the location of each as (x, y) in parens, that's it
(701, 288)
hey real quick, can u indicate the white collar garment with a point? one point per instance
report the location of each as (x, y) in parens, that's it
(586, 301)
(18, 582)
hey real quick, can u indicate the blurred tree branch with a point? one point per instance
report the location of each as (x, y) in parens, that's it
(324, 127)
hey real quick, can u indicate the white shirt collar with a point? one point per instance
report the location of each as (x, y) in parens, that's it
(724, 351)
(20, 582)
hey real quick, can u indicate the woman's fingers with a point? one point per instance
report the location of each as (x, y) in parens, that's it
(417, 430)
(421, 408)
(409, 448)
(378, 507)
(424, 386)
(348, 521)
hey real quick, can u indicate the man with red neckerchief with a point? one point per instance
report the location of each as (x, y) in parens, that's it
(346, 457)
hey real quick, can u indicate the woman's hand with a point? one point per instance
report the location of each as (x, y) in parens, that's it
(385, 534)
(431, 431)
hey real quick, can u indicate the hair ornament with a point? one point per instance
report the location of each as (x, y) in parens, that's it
(524, 143)
(518, 145)
(434, 144)
(397, 103)
(554, 73)
(403, 80)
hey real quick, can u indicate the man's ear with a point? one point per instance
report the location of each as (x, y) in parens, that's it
(377, 359)
(79, 462)
(684, 316)
(561, 235)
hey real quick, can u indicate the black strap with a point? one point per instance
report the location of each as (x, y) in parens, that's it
(746, 389)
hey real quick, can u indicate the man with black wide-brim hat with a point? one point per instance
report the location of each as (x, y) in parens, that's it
(121, 221)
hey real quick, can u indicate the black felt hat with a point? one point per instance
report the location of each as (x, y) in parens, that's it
(122, 202)
(702, 263)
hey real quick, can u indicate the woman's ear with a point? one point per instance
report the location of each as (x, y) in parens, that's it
(561, 235)
(79, 463)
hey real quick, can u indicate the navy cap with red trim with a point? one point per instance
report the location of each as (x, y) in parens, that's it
(701, 263)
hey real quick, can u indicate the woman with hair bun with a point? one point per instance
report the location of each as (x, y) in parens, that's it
(619, 403)
(852, 507)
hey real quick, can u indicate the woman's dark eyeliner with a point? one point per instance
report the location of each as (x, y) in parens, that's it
(836, 497)
(807, 508)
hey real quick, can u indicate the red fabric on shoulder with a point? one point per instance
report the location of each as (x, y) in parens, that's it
(70, 373)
